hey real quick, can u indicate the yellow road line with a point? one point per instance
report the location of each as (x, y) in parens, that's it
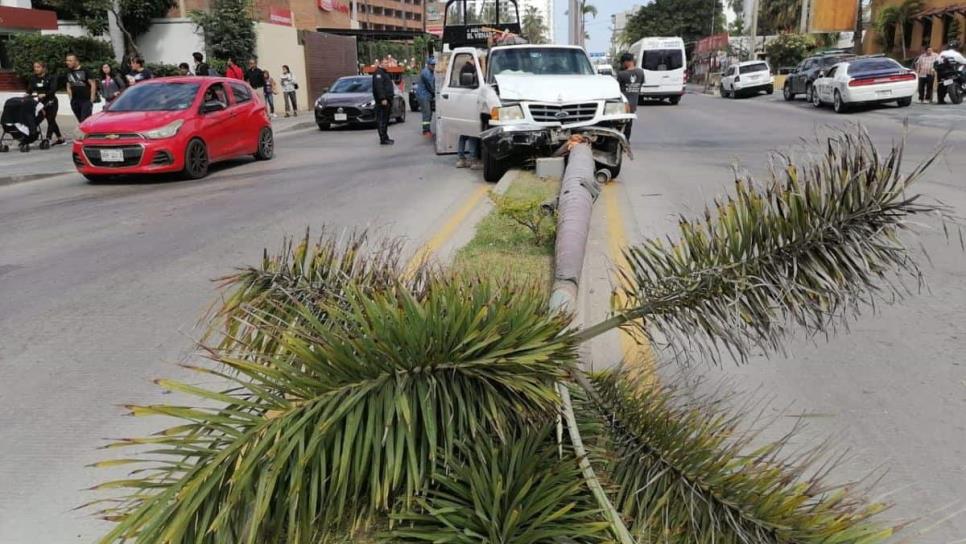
(639, 355)
(447, 230)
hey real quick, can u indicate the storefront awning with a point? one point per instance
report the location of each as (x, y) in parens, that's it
(27, 19)
(940, 12)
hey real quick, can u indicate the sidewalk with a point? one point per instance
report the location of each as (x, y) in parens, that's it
(16, 167)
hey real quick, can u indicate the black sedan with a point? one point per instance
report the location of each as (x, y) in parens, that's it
(349, 101)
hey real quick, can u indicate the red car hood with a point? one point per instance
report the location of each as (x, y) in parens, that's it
(130, 121)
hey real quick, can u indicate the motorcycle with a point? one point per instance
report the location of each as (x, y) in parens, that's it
(952, 80)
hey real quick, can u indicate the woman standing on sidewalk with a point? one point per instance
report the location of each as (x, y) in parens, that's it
(270, 89)
(110, 84)
(289, 86)
(43, 86)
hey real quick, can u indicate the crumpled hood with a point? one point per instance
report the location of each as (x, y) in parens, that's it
(130, 121)
(557, 88)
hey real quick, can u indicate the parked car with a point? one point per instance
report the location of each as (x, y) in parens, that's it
(869, 80)
(747, 78)
(349, 101)
(800, 80)
(174, 124)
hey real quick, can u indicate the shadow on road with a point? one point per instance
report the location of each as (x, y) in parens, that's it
(170, 179)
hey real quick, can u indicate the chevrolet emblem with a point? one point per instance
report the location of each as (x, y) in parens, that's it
(340, 110)
(112, 136)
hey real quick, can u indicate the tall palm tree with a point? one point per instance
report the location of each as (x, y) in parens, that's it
(358, 392)
(780, 15)
(897, 18)
(534, 28)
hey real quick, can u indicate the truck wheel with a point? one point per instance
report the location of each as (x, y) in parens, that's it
(492, 169)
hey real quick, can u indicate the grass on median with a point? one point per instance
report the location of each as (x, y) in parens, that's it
(505, 250)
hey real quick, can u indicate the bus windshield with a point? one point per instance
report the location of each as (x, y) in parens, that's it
(539, 61)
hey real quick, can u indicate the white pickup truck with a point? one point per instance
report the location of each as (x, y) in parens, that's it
(525, 101)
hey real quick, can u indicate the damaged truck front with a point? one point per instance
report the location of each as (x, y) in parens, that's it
(526, 101)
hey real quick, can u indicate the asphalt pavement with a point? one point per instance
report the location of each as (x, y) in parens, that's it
(892, 389)
(102, 287)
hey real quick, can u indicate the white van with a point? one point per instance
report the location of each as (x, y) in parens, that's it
(663, 61)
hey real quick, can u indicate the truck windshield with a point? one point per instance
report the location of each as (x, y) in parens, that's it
(661, 60)
(539, 61)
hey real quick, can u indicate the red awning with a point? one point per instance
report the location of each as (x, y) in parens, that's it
(27, 19)
(939, 12)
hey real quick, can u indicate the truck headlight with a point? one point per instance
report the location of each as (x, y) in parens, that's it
(166, 131)
(507, 113)
(615, 107)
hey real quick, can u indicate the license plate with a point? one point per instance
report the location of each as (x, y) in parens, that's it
(947, 82)
(341, 117)
(112, 155)
(885, 92)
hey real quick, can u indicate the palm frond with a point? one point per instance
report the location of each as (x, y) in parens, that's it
(808, 250)
(521, 491)
(342, 417)
(683, 471)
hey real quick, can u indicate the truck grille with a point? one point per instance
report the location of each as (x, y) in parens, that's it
(565, 114)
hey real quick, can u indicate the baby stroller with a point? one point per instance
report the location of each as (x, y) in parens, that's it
(21, 120)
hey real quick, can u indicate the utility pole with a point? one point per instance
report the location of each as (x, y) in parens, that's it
(753, 29)
(576, 22)
(714, 13)
(803, 23)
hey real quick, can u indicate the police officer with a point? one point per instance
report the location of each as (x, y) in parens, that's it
(383, 92)
(630, 79)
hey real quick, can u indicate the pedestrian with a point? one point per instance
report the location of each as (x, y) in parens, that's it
(254, 75)
(630, 78)
(233, 70)
(201, 67)
(43, 87)
(270, 89)
(184, 69)
(81, 88)
(139, 72)
(949, 54)
(289, 86)
(425, 93)
(110, 84)
(468, 152)
(926, 70)
(383, 92)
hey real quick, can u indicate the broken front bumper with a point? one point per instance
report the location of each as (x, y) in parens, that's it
(504, 141)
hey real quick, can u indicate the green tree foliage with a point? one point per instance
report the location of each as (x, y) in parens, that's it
(229, 29)
(778, 16)
(534, 28)
(898, 19)
(25, 49)
(134, 15)
(689, 19)
(789, 49)
(353, 389)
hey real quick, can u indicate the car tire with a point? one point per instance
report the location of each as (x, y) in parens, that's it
(814, 98)
(402, 114)
(196, 160)
(904, 102)
(323, 126)
(770, 90)
(493, 169)
(838, 104)
(674, 100)
(266, 145)
(787, 93)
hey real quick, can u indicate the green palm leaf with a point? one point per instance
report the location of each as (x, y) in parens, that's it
(521, 491)
(683, 471)
(342, 417)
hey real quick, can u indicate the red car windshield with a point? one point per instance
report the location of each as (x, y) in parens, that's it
(156, 97)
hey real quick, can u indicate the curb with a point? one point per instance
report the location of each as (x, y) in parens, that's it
(467, 229)
(13, 180)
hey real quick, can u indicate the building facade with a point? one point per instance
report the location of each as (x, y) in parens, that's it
(618, 22)
(391, 14)
(940, 22)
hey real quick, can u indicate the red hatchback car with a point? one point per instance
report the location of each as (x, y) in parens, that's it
(174, 124)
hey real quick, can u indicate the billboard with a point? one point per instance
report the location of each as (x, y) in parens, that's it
(832, 15)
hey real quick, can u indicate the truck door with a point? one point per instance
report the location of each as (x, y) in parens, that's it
(457, 106)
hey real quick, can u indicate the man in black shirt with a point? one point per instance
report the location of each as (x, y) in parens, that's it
(630, 79)
(139, 72)
(255, 76)
(81, 88)
(201, 67)
(383, 92)
(43, 86)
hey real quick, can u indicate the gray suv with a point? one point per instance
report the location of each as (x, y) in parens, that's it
(801, 79)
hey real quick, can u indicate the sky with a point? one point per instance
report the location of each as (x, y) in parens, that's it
(599, 28)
